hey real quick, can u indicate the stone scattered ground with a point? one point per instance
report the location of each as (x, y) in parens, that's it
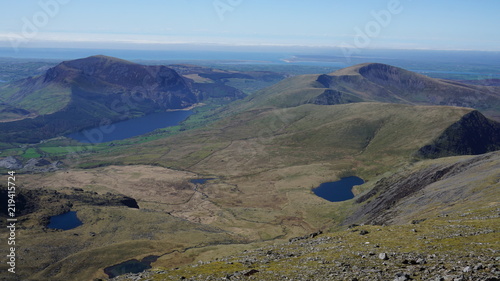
(450, 247)
(33, 165)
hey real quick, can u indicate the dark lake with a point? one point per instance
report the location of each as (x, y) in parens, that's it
(130, 266)
(132, 127)
(200, 181)
(337, 191)
(65, 221)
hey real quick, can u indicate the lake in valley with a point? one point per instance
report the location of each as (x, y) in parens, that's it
(130, 266)
(65, 221)
(132, 127)
(337, 191)
(200, 181)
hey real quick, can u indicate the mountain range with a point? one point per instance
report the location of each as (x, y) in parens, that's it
(82, 93)
(426, 148)
(375, 82)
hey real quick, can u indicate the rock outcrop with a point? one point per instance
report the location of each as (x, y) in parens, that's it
(11, 162)
(409, 194)
(473, 134)
(48, 203)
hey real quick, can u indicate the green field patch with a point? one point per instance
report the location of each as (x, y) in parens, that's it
(67, 149)
(31, 153)
(11, 152)
(47, 100)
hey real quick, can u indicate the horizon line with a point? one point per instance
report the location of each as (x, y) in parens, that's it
(157, 47)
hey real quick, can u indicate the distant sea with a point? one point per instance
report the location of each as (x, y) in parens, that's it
(180, 55)
(430, 62)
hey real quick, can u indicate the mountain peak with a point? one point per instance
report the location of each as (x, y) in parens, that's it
(98, 62)
(364, 69)
(377, 82)
(91, 66)
(100, 59)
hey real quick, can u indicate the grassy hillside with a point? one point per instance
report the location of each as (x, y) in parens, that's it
(110, 234)
(449, 225)
(32, 96)
(290, 92)
(377, 134)
(264, 162)
(458, 210)
(376, 83)
(46, 101)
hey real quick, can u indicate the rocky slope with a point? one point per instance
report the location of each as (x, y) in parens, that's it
(33, 165)
(460, 246)
(440, 185)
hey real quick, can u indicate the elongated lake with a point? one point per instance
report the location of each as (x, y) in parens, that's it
(200, 181)
(132, 127)
(337, 191)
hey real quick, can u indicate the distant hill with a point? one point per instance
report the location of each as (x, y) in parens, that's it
(246, 81)
(381, 83)
(81, 93)
(482, 82)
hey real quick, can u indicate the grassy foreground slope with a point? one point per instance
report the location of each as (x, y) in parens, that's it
(447, 228)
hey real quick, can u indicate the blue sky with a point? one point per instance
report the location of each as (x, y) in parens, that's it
(402, 24)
